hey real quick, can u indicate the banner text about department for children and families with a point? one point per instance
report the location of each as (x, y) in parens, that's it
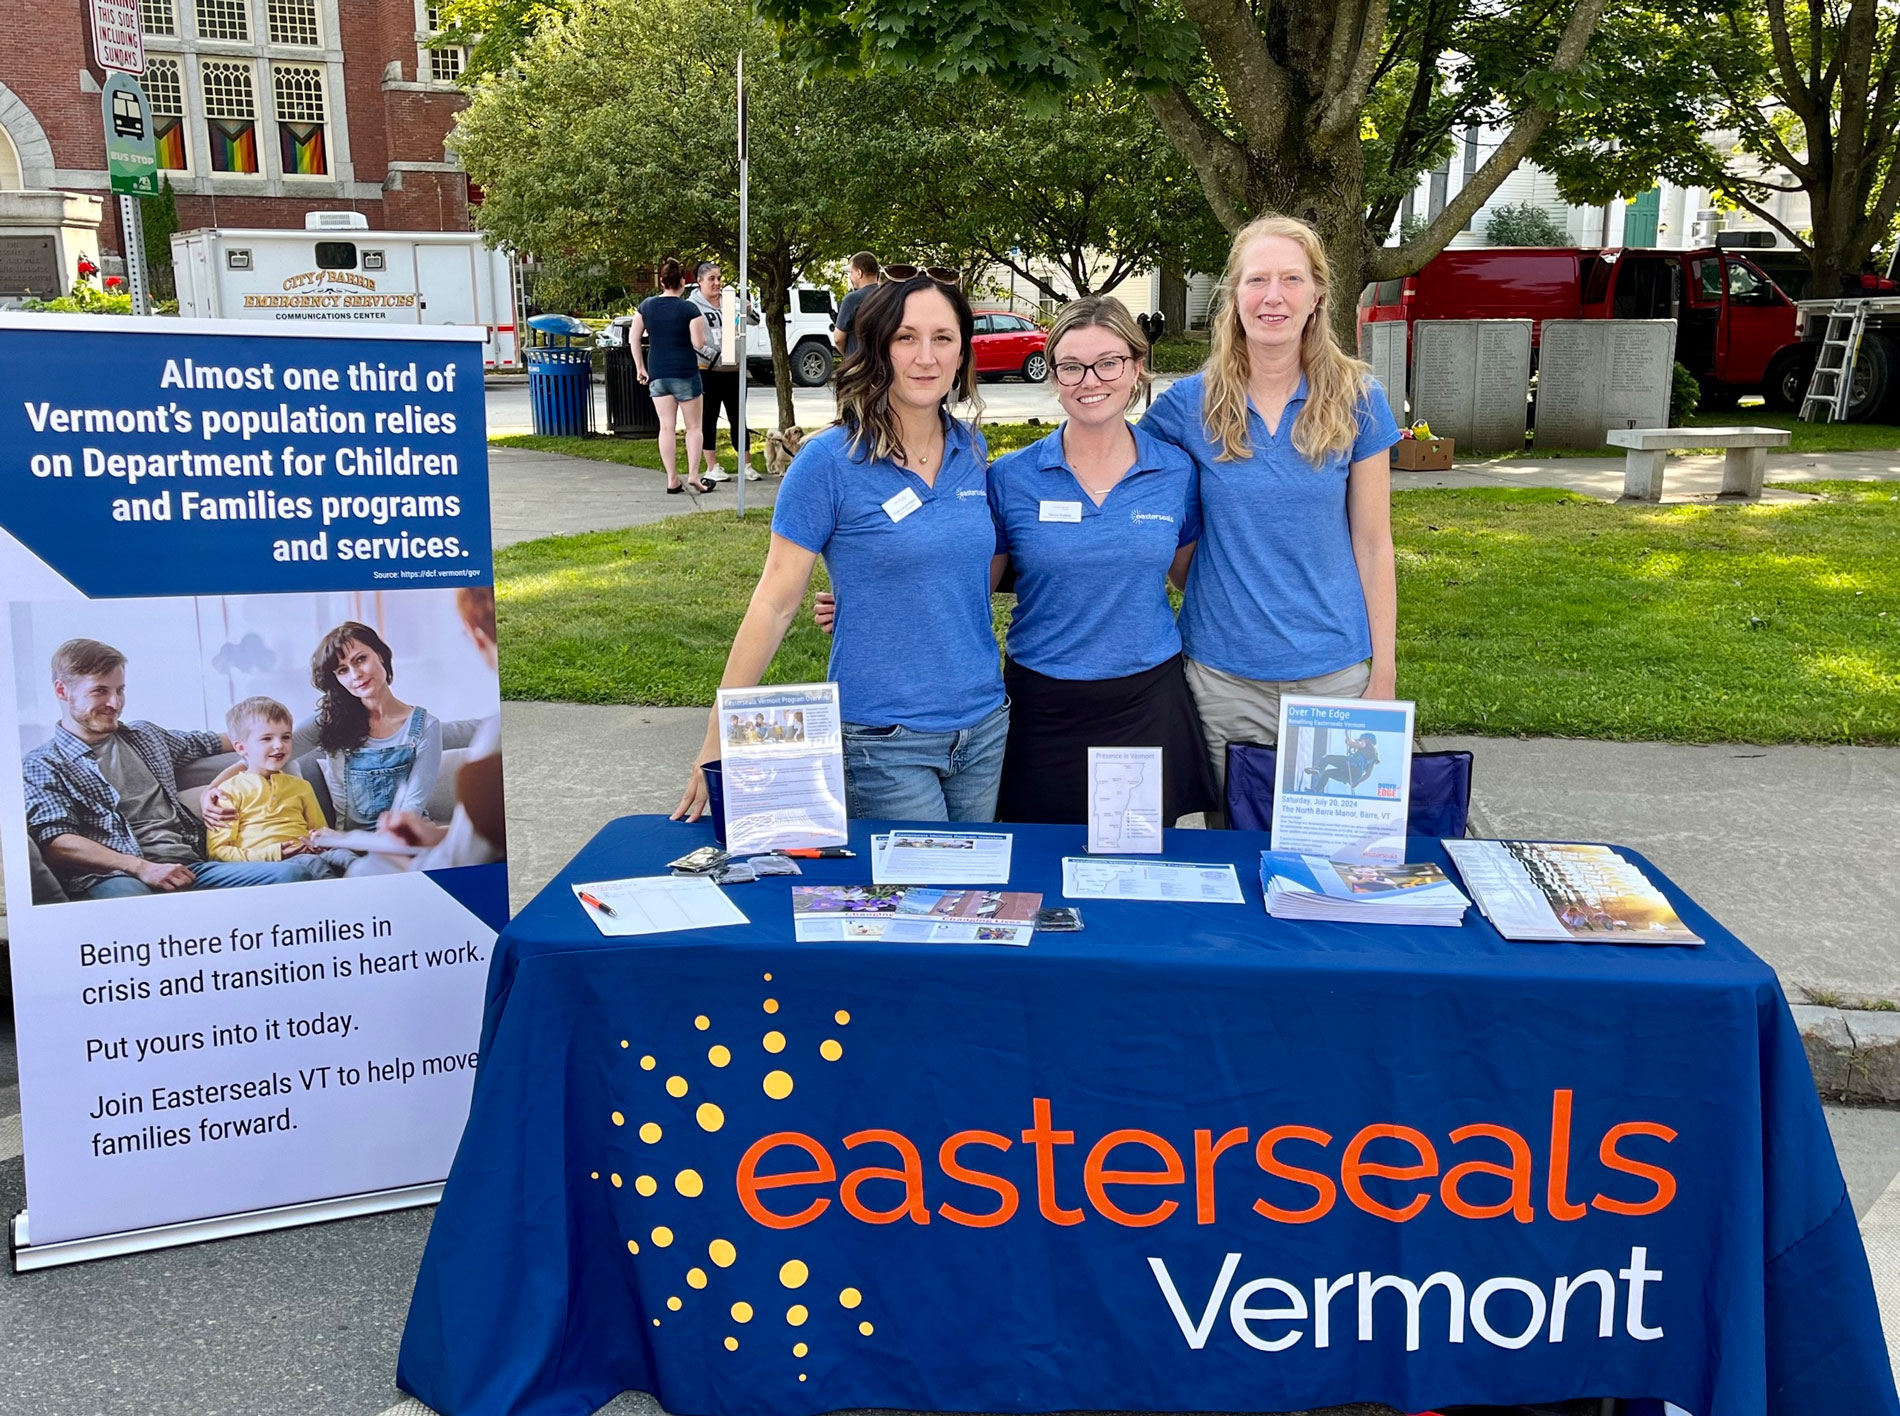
(209, 505)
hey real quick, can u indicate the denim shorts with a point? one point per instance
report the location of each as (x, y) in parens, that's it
(685, 390)
(900, 774)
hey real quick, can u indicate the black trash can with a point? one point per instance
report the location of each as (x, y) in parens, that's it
(561, 376)
(630, 410)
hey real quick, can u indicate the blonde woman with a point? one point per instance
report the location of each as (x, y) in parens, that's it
(1292, 588)
(894, 497)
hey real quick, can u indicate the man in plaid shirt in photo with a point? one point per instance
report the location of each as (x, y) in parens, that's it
(102, 795)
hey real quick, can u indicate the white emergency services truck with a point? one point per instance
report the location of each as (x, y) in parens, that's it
(337, 270)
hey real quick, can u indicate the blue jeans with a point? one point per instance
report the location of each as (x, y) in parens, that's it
(900, 774)
(219, 875)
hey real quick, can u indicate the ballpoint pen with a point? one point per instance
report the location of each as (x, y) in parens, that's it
(819, 853)
(600, 905)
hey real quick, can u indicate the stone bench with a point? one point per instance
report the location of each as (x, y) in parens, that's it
(1744, 463)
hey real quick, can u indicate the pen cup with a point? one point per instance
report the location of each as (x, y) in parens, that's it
(716, 799)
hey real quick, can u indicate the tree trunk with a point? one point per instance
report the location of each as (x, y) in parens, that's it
(1174, 293)
(775, 297)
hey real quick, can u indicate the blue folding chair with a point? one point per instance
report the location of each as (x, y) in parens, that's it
(1441, 790)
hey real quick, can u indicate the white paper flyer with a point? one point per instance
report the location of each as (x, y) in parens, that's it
(1344, 782)
(782, 759)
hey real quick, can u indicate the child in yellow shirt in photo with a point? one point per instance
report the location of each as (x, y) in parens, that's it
(277, 813)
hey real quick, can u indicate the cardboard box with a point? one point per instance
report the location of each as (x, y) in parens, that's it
(1422, 454)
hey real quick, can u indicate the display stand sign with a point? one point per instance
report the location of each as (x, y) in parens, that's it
(781, 755)
(1345, 778)
(248, 599)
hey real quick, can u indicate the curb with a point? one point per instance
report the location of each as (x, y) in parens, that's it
(1854, 1053)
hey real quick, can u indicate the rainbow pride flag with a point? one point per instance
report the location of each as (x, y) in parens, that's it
(303, 151)
(233, 145)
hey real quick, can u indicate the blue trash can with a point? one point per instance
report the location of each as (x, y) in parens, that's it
(560, 358)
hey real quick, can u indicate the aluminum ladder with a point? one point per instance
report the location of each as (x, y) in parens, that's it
(1832, 385)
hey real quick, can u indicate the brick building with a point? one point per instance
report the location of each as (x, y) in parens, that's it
(263, 110)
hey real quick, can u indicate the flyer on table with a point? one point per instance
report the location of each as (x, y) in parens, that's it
(1344, 780)
(781, 755)
(249, 632)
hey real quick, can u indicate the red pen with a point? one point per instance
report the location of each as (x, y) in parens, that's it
(601, 905)
(819, 853)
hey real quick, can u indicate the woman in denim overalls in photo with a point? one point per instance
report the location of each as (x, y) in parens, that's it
(379, 753)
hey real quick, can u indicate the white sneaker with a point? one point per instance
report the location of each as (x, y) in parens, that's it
(751, 474)
(718, 474)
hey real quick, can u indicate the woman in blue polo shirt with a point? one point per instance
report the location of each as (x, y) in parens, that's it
(1095, 518)
(1292, 588)
(894, 497)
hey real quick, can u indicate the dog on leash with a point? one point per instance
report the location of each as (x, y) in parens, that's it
(781, 447)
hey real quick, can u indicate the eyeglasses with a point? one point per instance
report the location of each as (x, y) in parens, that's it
(1108, 368)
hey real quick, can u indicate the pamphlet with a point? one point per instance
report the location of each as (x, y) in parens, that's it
(941, 857)
(1313, 887)
(1125, 800)
(913, 914)
(1345, 778)
(781, 756)
(656, 904)
(1103, 878)
(1586, 894)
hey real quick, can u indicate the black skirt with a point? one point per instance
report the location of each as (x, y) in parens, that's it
(1054, 722)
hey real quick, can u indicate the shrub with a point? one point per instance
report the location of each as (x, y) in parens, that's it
(85, 300)
(1684, 394)
(1524, 225)
(1178, 354)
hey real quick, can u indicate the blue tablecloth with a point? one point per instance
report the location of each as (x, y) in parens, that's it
(1191, 1158)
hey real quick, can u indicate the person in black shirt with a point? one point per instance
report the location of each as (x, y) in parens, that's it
(670, 370)
(863, 273)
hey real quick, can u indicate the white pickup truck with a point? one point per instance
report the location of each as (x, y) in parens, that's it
(808, 319)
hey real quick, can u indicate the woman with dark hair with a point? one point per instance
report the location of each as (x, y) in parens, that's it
(379, 753)
(670, 369)
(894, 496)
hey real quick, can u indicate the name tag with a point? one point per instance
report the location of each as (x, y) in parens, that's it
(902, 505)
(1061, 511)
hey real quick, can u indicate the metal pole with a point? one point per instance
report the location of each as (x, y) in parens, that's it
(739, 342)
(132, 227)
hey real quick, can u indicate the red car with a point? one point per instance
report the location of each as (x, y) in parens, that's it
(1009, 344)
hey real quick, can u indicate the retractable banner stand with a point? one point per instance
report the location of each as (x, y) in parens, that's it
(246, 574)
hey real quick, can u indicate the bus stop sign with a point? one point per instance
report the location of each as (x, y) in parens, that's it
(131, 154)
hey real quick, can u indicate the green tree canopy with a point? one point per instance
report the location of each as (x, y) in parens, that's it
(1324, 110)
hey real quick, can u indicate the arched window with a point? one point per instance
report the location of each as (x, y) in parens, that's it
(10, 177)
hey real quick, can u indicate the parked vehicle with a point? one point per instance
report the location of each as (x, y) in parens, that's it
(1736, 331)
(1009, 344)
(808, 321)
(336, 269)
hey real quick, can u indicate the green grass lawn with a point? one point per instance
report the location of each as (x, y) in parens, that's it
(1520, 611)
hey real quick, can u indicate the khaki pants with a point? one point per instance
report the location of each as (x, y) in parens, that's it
(1237, 709)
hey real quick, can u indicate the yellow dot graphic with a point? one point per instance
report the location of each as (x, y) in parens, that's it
(696, 1278)
(775, 1041)
(866, 1329)
(616, 1179)
(676, 1086)
(688, 1183)
(771, 1005)
(843, 1018)
(732, 1344)
(674, 1304)
(619, 1120)
(594, 1175)
(633, 1246)
(778, 1085)
(799, 1349)
(796, 1315)
(718, 1054)
(645, 1184)
(742, 1312)
(768, 978)
(831, 1049)
(850, 1298)
(801, 1376)
(650, 1132)
(702, 1022)
(793, 1273)
(662, 1236)
(647, 1064)
(656, 1322)
(710, 1117)
(623, 1042)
